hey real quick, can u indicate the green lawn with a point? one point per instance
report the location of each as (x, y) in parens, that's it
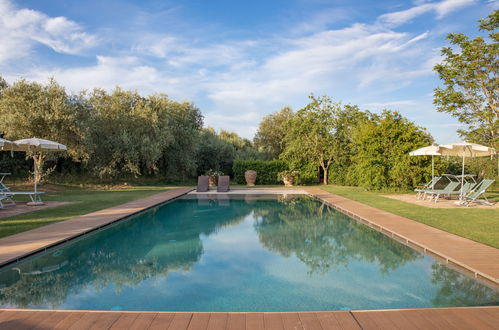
(481, 225)
(84, 200)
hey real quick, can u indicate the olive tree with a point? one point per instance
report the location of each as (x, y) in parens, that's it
(310, 135)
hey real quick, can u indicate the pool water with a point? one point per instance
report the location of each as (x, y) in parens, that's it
(246, 253)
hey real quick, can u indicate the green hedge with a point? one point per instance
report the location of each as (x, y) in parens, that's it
(266, 170)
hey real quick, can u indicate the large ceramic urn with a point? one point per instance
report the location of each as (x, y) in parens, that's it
(250, 177)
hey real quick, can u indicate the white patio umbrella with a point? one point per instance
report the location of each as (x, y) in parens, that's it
(38, 146)
(465, 149)
(428, 151)
(6, 144)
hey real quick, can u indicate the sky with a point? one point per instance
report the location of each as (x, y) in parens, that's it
(238, 61)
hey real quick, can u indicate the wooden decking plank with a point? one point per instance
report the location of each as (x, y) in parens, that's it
(236, 321)
(399, 319)
(310, 321)
(415, 320)
(161, 321)
(124, 321)
(143, 321)
(291, 321)
(273, 321)
(424, 317)
(180, 321)
(15, 320)
(217, 321)
(199, 321)
(105, 320)
(53, 320)
(474, 319)
(445, 315)
(337, 320)
(378, 320)
(254, 321)
(85, 322)
(38, 317)
(71, 318)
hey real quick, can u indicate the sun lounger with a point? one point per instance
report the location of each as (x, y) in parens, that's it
(478, 190)
(203, 183)
(34, 196)
(435, 194)
(420, 191)
(223, 183)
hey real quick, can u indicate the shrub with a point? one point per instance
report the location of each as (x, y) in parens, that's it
(266, 170)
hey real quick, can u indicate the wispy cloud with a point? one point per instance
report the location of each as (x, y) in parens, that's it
(21, 29)
(441, 9)
(390, 104)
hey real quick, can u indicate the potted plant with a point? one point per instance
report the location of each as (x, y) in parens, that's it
(213, 177)
(287, 177)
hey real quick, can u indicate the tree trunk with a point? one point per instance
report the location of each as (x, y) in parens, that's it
(324, 168)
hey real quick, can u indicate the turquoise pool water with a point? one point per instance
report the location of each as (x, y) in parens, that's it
(249, 253)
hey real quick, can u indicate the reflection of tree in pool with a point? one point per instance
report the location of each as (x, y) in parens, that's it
(166, 240)
(455, 289)
(323, 238)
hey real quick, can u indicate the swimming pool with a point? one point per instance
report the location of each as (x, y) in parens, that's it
(237, 253)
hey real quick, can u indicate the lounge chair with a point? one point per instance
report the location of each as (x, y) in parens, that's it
(203, 183)
(6, 200)
(35, 196)
(420, 191)
(223, 183)
(436, 193)
(478, 190)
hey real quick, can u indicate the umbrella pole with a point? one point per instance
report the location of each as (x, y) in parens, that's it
(432, 172)
(35, 170)
(462, 179)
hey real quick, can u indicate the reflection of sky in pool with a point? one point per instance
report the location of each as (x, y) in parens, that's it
(237, 255)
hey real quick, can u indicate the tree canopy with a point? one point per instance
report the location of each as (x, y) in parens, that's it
(270, 135)
(470, 74)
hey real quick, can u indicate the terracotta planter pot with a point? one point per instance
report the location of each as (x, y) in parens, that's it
(212, 181)
(288, 180)
(250, 177)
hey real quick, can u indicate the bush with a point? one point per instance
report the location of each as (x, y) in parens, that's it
(266, 171)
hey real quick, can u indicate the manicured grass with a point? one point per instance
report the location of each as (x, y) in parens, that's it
(84, 200)
(481, 225)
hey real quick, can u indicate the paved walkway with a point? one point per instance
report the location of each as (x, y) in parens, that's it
(434, 318)
(17, 246)
(477, 259)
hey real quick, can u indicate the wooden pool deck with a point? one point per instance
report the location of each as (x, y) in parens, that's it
(433, 318)
(476, 259)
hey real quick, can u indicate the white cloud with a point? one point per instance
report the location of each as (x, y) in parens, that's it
(441, 9)
(21, 29)
(390, 104)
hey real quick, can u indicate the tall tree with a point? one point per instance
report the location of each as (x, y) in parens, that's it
(471, 77)
(382, 145)
(310, 135)
(270, 135)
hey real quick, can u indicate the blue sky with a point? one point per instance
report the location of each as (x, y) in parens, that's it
(240, 60)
